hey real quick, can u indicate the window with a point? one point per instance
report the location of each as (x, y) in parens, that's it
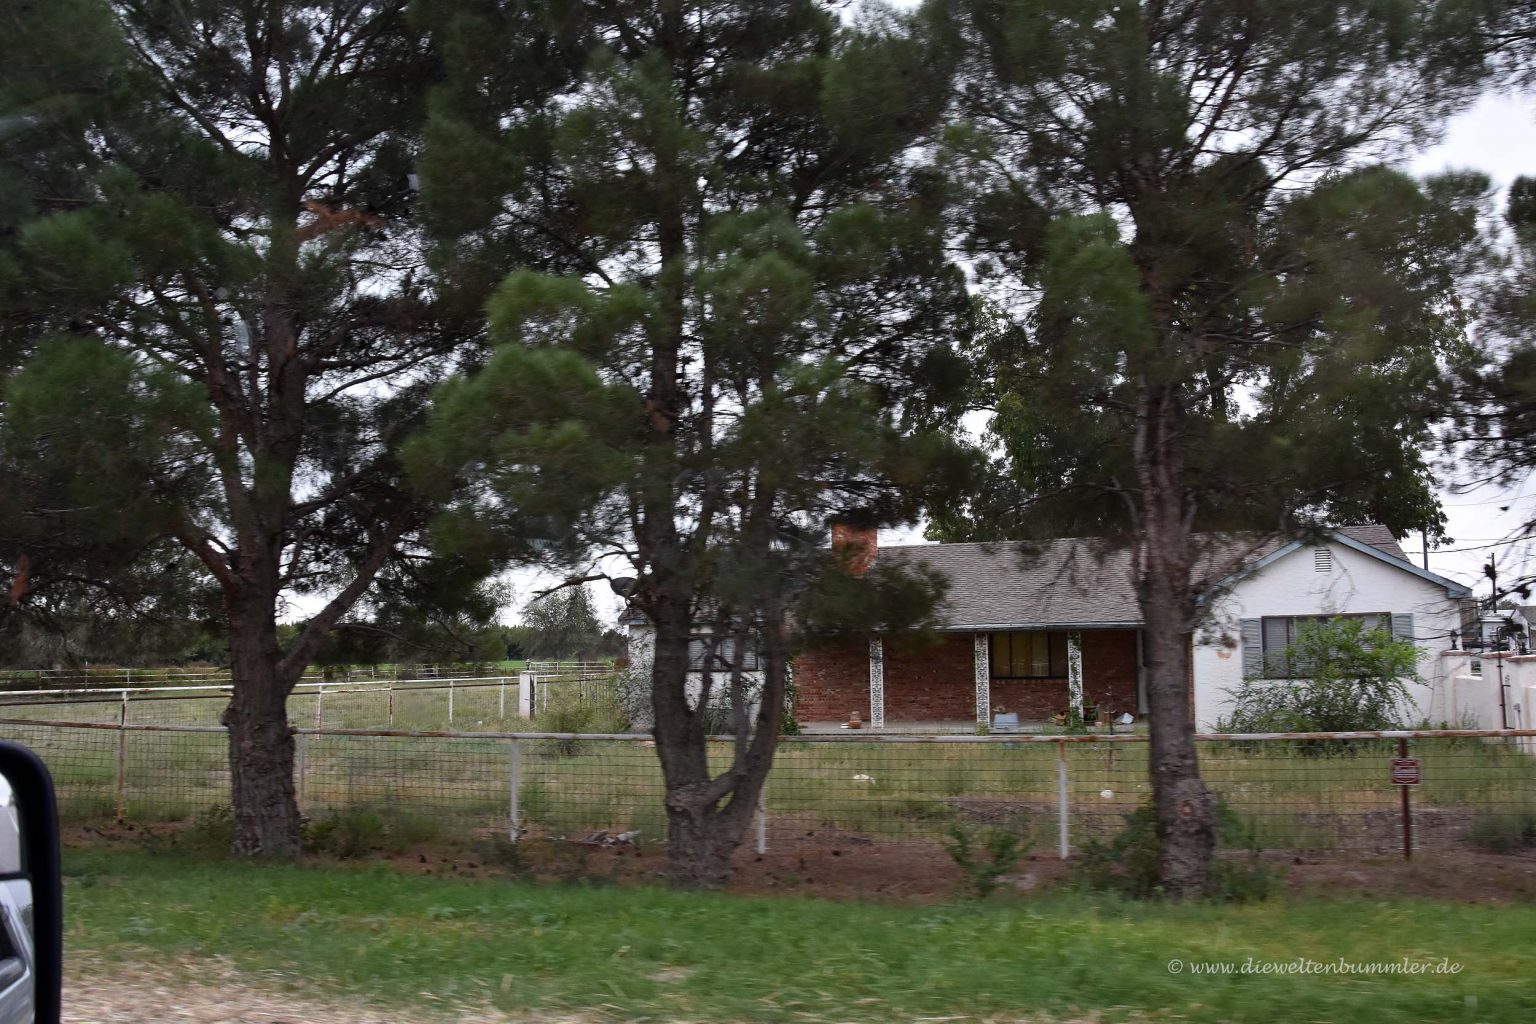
(1279, 632)
(1029, 655)
(725, 653)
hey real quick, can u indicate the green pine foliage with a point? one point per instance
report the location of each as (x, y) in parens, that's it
(727, 314)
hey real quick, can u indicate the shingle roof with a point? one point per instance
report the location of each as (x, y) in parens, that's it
(1080, 582)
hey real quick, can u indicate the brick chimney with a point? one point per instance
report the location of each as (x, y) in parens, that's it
(859, 543)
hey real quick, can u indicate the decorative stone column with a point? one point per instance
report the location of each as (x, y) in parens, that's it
(876, 683)
(1075, 673)
(634, 683)
(983, 679)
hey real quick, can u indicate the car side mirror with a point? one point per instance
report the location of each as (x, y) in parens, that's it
(31, 891)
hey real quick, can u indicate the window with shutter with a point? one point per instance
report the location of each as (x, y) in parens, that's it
(1278, 633)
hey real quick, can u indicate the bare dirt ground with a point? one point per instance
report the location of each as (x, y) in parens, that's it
(97, 994)
(828, 864)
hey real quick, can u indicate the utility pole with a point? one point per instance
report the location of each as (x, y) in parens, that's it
(1491, 570)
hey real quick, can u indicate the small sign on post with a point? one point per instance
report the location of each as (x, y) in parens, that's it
(1405, 771)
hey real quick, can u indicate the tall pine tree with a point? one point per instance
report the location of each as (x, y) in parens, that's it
(1224, 319)
(209, 270)
(752, 334)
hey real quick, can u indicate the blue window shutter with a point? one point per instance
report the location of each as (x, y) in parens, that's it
(1402, 627)
(1253, 649)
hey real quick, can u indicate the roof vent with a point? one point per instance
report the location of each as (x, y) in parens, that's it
(1322, 560)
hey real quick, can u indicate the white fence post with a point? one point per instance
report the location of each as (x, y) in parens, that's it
(391, 703)
(501, 707)
(525, 694)
(450, 703)
(514, 773)
(319, 717)
(1061, 799)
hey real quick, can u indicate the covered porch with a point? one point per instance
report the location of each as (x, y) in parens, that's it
(1024, 679)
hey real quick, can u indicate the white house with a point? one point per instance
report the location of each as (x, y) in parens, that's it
(1262, 605)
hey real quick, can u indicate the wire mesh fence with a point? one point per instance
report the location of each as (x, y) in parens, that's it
(1321, 794)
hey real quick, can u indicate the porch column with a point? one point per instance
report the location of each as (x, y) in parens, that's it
(876, 683)
(983, 679)
(1075, 673)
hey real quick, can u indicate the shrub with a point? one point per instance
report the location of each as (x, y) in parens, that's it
(1503, 833)
(1128, 863)
(984, 855)
(1346, 678)
(211, 831)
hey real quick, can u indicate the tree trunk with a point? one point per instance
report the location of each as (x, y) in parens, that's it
(261, 749)
(708, 817)
(1185, 809)
(700, 844)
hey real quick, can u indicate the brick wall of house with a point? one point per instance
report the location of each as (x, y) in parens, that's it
(1109, 669)
(832, 682)
(1033, 700)
(930, 682)
(935, 681)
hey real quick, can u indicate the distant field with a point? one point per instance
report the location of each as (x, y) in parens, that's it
(434, 944)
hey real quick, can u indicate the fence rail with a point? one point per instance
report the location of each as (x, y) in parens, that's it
(470, 701)
(1315, 792)
(77, 678)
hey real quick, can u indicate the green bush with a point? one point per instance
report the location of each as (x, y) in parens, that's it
(1337, 677)
(1503, 833)
(1128, 863)
(210, 831)
(984, 855)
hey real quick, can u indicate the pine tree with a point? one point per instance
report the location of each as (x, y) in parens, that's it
(750, 333)
(210, 279)
(1220, 316)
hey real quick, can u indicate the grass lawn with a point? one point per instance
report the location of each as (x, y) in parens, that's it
(644, 954)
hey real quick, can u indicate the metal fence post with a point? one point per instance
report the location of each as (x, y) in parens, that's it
(319, 720)
(122, 759)
(1061, 799)
(762, 819)
(514, 781)
(450, 703)
(302, 742)
(1402, 751)
(391, 702)
(501, 711)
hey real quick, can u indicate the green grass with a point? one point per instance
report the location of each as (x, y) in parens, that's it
(641, 954)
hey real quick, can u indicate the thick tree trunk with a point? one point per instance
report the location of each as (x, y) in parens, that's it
(1185, 809)
(261, 748)
(700, 842)
(708, 817)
